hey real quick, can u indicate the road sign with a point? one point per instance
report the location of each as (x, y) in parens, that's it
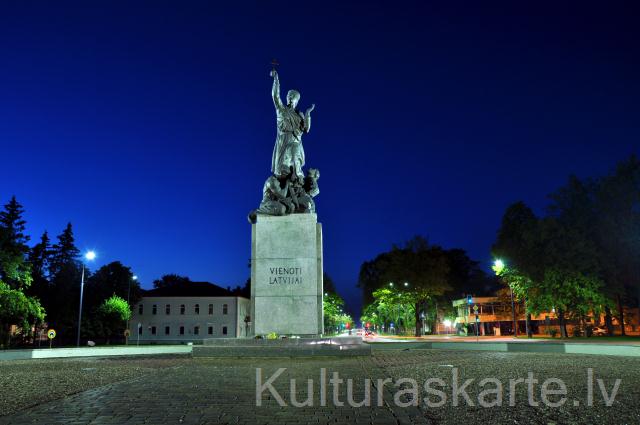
(475, 309)
(51, 333)
(127, 333)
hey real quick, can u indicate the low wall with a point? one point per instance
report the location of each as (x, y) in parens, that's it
(52, 353)
(519, 347)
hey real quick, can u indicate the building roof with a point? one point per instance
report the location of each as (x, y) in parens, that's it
(191, 289)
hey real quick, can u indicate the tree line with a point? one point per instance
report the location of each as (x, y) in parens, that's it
(579, 259)
(41, 284)
(412, 285)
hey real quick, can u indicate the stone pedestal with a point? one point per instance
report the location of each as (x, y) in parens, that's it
(286, 275)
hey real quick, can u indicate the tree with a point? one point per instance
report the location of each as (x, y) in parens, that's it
(39, 258)
(332, 306)
(65, 274)
(433, 276)
(113, 315)
(243, 291)
(64, 253)
(17, 309)
(329, 287)
(424, 267)
(14, 269)
(516, 245)
(169, 280)
(554, 261)
(111, 279)
(11, 220)
(617, 232)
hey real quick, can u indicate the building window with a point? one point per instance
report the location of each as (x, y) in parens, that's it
(181, 330)
(210, 330)
(225, 308)
(167, 309)
(154, 309)
(182, 309)
(167, 330)
(196, 309)
(224, 329)
(153, 330)
(140, 308)
(196, 330)
(210, 309)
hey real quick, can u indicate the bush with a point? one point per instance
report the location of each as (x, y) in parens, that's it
(553, 332)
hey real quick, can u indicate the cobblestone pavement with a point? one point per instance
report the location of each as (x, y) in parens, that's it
(223, 391)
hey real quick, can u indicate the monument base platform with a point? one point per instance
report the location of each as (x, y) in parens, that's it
(286, 275)
(288, 347)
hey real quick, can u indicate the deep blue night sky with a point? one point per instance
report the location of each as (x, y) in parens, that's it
(150, 125)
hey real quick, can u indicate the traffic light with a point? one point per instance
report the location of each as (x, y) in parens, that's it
(469, 299)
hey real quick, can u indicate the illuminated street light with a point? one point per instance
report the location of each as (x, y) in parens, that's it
(447, 324)
(391, 284)
(406, 284)
(89, 256)
(498, 266)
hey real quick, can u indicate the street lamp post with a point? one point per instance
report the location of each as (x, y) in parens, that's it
(498, 267)
(90, 256)
(513, 314)
(134, 278)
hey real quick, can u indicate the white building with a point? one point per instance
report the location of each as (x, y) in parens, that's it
(188, 313)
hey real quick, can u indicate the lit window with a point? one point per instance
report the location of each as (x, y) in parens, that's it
(196, 309)
(225, 307)
(210, 330)
(154, 309)
(181, 330)
(153, 330)
(182, 309)
(224, 330)
(196, 330)
(140, 308)
(167, 309)
(210, 309)
(167, 330)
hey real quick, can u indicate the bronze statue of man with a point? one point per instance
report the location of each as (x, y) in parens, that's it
(288, 152)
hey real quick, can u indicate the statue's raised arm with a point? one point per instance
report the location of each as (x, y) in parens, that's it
(275, 90)
(307, 118)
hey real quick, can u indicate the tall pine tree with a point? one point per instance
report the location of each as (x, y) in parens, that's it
(65, 252)
(14, 269)
(39, 258)
(64, 290)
